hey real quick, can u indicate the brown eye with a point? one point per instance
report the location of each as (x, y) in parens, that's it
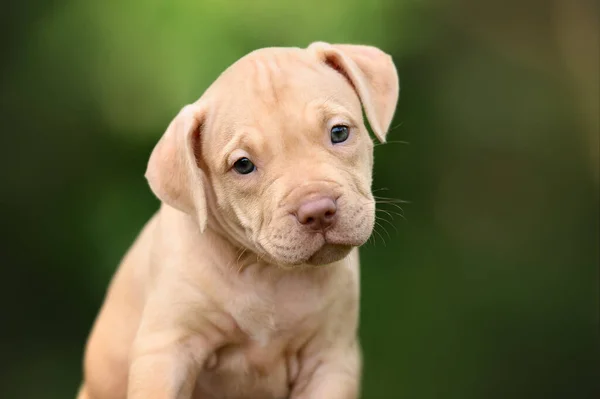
(244, 166)
(339, 134)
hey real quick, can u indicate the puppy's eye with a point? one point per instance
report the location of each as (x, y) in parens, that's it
(244, 166)
(339, 134)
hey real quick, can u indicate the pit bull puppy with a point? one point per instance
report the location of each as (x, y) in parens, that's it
(245, 284)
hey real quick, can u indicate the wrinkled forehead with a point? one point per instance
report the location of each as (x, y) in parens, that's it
(273, 89)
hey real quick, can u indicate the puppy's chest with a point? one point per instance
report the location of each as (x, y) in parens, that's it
(262, 356)
(266, 318)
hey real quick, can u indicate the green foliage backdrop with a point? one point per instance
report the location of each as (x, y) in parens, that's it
(488, 288)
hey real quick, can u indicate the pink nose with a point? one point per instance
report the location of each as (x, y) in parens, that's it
(318, 214)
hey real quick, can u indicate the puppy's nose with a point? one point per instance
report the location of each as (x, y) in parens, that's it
(318, 214)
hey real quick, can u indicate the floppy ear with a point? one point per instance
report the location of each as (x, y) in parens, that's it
(173, 172)
(372, 74)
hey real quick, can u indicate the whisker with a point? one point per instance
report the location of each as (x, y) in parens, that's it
(391, 142)
(389, 222)
(372, 240)
(389, 213)
(396, 206)
(396, 127)
(396, 213)
(381, 189)
(387, 199)
(384, 229)
(379, 234)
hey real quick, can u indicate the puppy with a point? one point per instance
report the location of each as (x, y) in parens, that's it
(245, 284)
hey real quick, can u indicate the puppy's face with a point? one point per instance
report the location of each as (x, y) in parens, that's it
(288, 161)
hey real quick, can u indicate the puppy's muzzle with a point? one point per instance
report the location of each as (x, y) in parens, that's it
(317, 214)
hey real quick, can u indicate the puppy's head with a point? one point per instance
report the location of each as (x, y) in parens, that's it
(276, 154)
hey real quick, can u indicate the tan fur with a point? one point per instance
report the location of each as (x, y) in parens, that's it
(224, 294)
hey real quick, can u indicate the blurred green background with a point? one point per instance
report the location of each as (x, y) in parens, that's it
(487, 289)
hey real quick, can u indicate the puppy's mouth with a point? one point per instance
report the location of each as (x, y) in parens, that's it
(329, 253)
(319, 250)
(290, 246)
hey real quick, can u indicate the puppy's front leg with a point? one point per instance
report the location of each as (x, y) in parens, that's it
(165, 366)
(338, 376)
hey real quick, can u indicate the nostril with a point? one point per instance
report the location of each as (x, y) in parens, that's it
(317, 213)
